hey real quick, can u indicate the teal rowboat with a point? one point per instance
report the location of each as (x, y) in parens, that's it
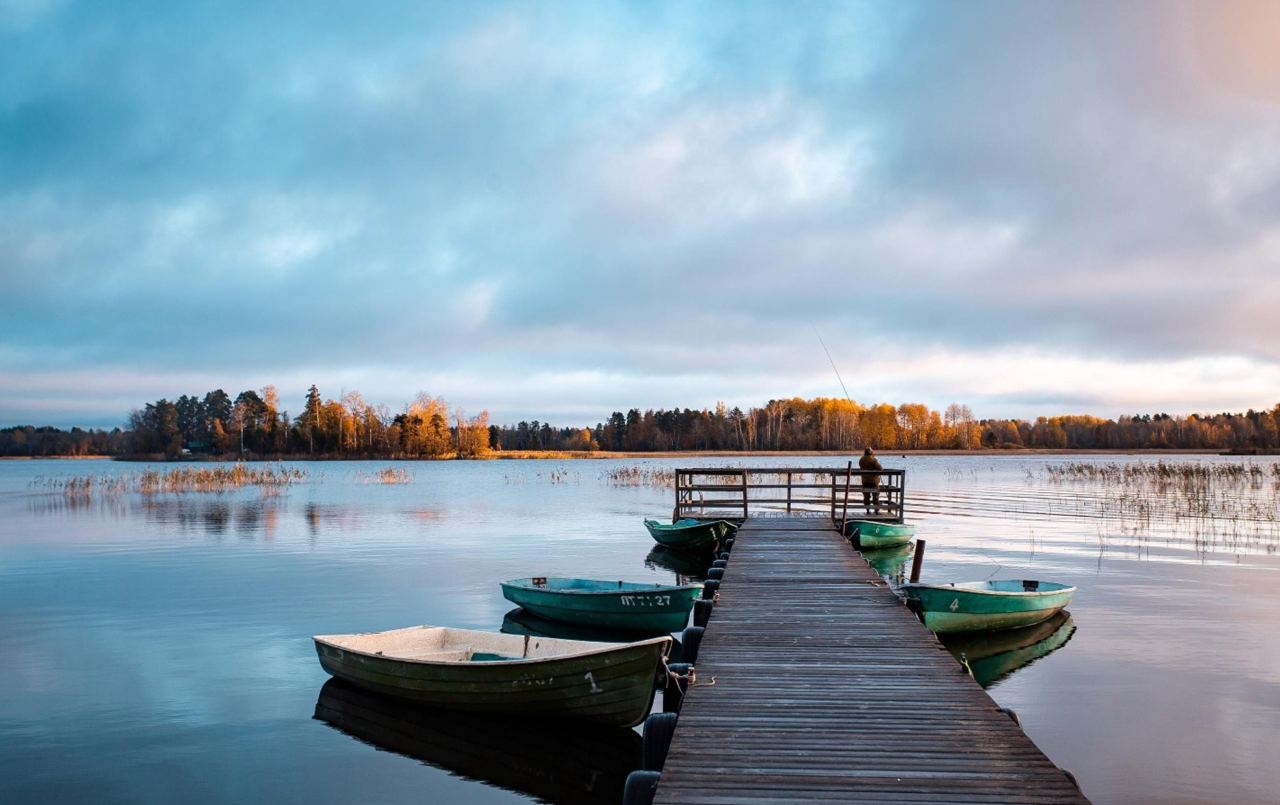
(992, 656)
(490, 672)
(982, 606)
(636, 607)
(870, 535)
(690, 534)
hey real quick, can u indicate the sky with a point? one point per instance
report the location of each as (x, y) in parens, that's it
(556, 210)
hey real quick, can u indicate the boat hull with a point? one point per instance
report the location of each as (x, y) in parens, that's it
(872, 535)
(613, 685)
(646, 608)
(689, 535)
(946, 609)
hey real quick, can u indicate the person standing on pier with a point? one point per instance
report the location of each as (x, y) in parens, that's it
(870, 483)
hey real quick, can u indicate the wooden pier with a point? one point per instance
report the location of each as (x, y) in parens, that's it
(815, 684)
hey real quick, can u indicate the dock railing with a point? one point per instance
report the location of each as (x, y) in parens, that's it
(838, 492)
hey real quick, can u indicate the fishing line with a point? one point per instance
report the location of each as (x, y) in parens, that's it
(833, 363)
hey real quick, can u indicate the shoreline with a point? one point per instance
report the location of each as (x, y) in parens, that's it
(601, 455)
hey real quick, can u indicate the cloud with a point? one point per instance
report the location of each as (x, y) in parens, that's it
(657, 201)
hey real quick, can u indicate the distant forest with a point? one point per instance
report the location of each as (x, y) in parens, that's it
(252, 425)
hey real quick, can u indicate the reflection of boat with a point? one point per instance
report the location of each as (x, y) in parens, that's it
(683, 564)
(577, 763)
(690, 534)
(991, 656)
(978, 606)
(522, 621)
(887, 561)
(460, 669)
(626, 605)
(871, 535)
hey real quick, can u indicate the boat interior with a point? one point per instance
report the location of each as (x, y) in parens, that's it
(1011, 586)
(445, 645)
(568, 585)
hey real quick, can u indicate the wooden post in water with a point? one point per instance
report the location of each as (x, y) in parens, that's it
(844, 514)
(917, 561)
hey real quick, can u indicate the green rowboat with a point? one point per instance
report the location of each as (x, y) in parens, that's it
(982, 606)
(489, 672)
(867, 534)
(652, 608)
(690, 534)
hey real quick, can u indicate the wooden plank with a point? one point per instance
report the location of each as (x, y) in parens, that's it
(816, 685)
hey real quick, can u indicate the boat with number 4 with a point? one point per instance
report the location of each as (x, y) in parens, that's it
(626, 605)
(870, 534)
(983, 606)
(490, 672)
(690, 534)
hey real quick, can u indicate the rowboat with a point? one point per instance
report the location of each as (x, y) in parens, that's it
(633, 606)
(888, 561)
(992, 656)
(690, 534)
(870, 534)
(980, 606)
(561, 762)
(490, 672)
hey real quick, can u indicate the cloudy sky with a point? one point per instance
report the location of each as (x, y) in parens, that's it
(554, 210)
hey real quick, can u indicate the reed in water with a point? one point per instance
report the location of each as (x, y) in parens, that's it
(175, 481)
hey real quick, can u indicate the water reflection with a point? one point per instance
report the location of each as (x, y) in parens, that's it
(559, 763)
(216, 516)
(993, 656)
(521, 621)
(687, 567)
(890, 561)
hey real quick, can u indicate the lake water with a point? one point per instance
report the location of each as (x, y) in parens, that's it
(158, 648)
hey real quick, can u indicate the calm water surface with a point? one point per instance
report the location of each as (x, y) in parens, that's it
(158, 649)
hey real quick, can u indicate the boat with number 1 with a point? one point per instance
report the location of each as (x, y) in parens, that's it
(490, 672)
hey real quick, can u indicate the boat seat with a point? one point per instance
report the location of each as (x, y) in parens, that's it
(434, 654)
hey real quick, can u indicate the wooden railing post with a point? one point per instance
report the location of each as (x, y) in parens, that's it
(788, 493)
(675, 510)
(833, 498)
(902, 497)
(844, 514)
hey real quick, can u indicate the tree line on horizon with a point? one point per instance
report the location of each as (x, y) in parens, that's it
(253, 425)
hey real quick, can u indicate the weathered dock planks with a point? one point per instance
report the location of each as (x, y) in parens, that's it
(827, 689)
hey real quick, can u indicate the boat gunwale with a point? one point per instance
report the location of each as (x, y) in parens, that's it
(649, 588)
(685, 523)
(954, 587)
(605, 648)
